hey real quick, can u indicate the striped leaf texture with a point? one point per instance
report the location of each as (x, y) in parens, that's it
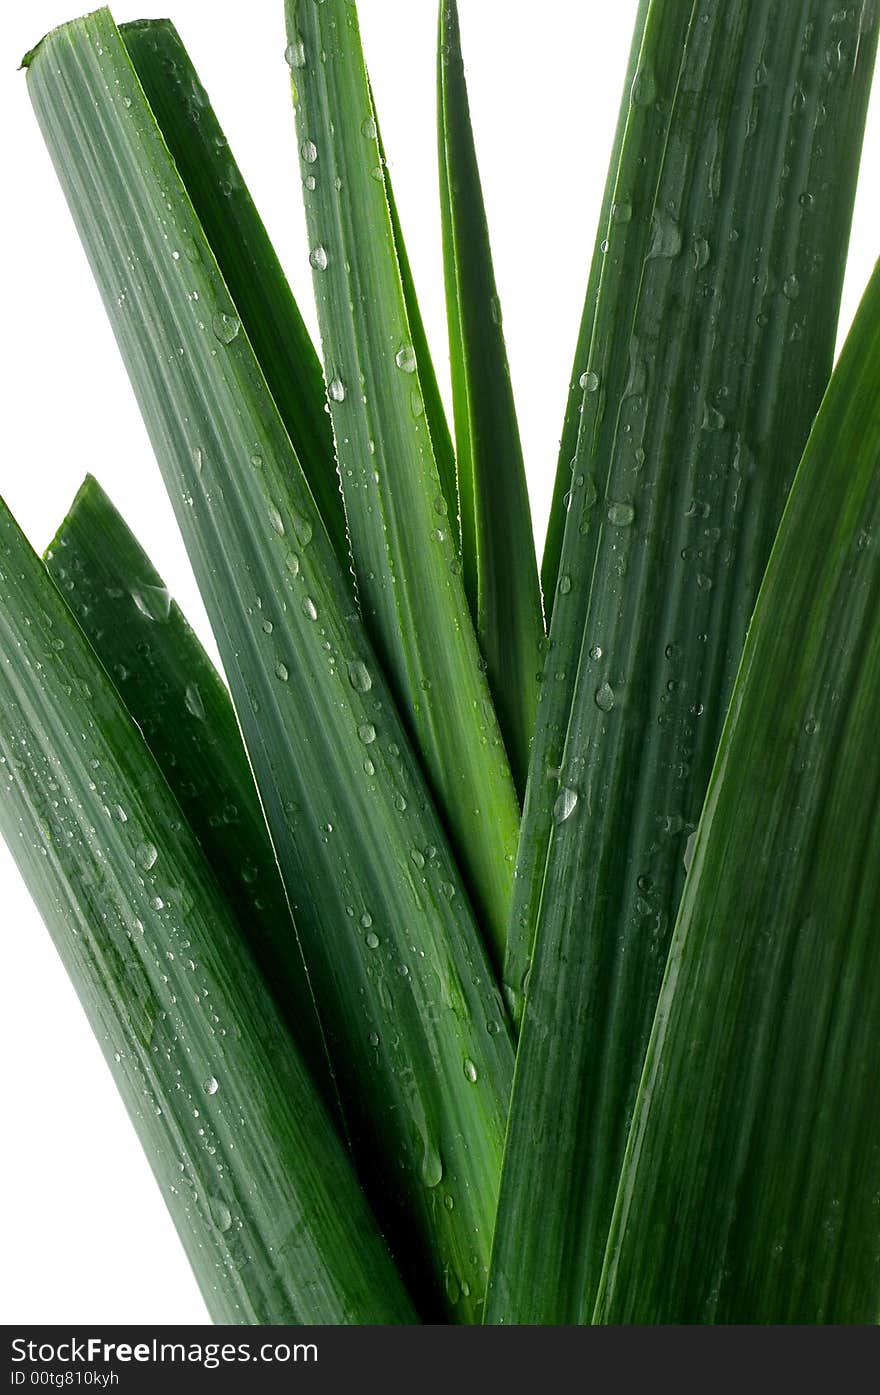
(414, 1021)
(257, 1183)
(406, 564)
(498, 547)
(751, 1182)
(711, 347)
(184, 712)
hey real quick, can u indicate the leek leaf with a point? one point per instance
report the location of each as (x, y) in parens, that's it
(750, 1187)
(413, 1019)
(498, 547)
(258, 1185)
(711, 348)
(182, 707)
(406, 563)
(246, 257)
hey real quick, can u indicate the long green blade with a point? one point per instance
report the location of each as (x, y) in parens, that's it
(750, 1187)
(182, 707)
(498, 545)
(435, 413)
(634, 189)
(729, 273)
(259, 1187)
(406, 565)
(414, 1022)
(578, 382)
(246, 257)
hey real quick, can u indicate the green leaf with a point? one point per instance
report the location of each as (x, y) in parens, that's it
(435, 414)
(498, 546)
(406, 565)
(246, 257)
(578, 381)
(182, 707)
(261, 1192)
(749, 1190)
(729, 274)
(414, 1022)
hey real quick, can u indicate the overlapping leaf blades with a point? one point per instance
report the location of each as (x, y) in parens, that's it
(182, 707)
(711, 346)
(704, 347)
(414, 1023)
(247, 261)
(750, 1187)
(407, 568)
(498, 549)
(257, 1183)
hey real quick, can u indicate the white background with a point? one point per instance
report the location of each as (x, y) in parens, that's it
(86, 1235)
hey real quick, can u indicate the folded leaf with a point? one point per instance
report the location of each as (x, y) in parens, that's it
(258, 1185)
(406, 565)
(183, 709)
(414, 1022)
(750, 1187)
(498, 546)
(247, 260)
(729, 273)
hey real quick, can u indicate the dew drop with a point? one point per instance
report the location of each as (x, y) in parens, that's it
(147, 856)
(589, 381)
(153, 602)
(194, 704)
(565, 805)
(791, 287)
(211, 1085)
(309, 151)
(713, 420)
(368, 128)
(644, 89)
(225, 326)
(432, 1165)
(371, 940)
(564, 584)
(701, 253)
(666, 241)
(318, 258)
(621, 514)
(405, 358)
(367, 733)
(470, 1070)
(605, 697)
(221, 1214)
(310, 610)
(336, 390)
(277, 521)
(359, 676)
(295, 54)
(282, 672)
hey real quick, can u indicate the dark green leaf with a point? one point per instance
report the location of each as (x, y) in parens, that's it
(577, 383)
(751, 1183)
(406, 563)
(498, 546)
(414, 1022)
(257, 1183)
(738, 168)
(182, 707)
(246, 257)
